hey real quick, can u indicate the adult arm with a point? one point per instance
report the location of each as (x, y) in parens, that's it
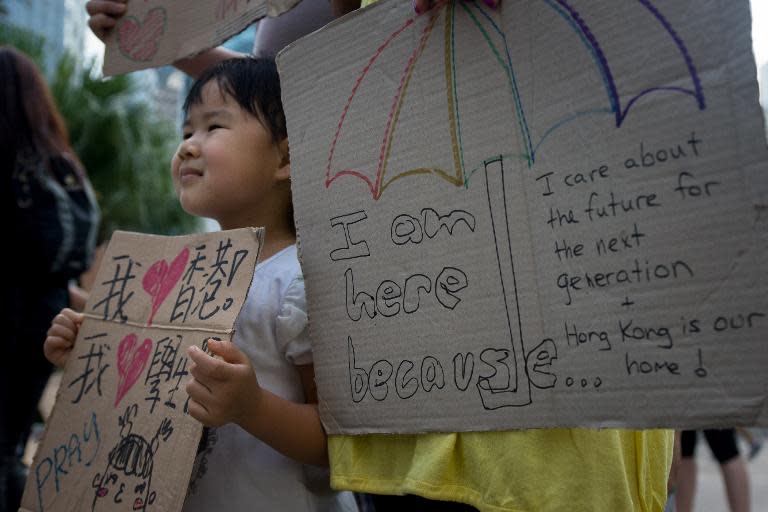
(195, 65)
(77, 296)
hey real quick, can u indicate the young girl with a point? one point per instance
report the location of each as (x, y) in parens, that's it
(259, 393)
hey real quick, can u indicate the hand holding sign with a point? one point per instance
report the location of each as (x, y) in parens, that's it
(223, 388)
(61, 336)
(122, 392)
(104, 15)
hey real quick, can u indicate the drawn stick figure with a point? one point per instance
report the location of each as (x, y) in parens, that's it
(127, 478)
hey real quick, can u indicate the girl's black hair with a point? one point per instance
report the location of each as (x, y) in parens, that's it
(253, 83)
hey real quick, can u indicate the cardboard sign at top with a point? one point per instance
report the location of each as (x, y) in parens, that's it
(120, 436)
(550, 214)
(154, 33)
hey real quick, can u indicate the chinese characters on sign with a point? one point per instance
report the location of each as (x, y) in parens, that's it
(120, 432)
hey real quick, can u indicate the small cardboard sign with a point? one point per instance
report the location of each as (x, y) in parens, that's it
(154, 33)
(120, 436)
(548, 214)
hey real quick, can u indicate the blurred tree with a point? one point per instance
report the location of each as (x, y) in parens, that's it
(23, 40)
(124, 147)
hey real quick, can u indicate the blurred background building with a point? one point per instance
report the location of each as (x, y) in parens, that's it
(63, 24)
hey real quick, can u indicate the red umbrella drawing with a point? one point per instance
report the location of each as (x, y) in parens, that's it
(484, 25)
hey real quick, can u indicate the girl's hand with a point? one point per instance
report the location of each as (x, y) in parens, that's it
(223, 389)
(61, 337)
(104, 15)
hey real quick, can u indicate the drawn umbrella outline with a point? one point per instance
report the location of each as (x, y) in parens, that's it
(496, 40)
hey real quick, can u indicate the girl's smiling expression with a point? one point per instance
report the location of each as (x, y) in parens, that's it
(228, 166)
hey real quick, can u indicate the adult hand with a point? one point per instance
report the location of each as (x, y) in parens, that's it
(104, 15)
(224, 388)
(61, 336)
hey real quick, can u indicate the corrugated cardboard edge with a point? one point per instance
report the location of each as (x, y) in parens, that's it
(329, 423)
(745, 103)
(322, 405)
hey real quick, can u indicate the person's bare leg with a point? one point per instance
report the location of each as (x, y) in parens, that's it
(736, 480)
(686, 485)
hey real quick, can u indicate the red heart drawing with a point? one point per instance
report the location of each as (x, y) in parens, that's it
(160, 280)
(131, 361)
(138, 40)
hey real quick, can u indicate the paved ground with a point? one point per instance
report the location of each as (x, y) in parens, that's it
(710, 495)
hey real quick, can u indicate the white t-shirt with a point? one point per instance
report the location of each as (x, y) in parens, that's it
(236, 471)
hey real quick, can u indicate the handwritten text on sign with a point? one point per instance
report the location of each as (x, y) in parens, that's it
(521, 221)
(120, 434)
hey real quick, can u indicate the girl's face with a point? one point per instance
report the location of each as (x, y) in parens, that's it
(227, 166)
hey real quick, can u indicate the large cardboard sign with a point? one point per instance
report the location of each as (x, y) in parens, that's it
(154, 33)
(120, 436)
(551, 214)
